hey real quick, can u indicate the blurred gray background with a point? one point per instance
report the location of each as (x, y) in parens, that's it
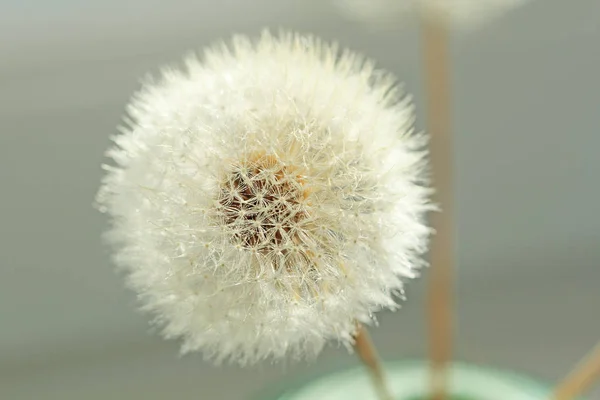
(527, 103)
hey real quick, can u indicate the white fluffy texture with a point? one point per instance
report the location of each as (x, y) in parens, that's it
(267, 197)
(461, 14)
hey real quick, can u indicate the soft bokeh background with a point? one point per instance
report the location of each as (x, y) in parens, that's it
(527, 102)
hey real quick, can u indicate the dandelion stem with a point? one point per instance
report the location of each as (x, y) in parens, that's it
(368, 355)
(580, 378)
(440, 292)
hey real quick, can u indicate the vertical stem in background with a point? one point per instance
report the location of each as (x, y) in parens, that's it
(581, 378)
(440, 292)
(368, 355)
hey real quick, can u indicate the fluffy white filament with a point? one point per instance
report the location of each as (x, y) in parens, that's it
(462, 14)
(266, 197)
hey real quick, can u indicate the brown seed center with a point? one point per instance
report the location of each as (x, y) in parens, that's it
(262, 202)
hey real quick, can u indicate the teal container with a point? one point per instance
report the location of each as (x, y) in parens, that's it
(410, 381)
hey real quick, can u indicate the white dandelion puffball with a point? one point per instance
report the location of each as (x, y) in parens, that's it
(267, 197)
(462, 14)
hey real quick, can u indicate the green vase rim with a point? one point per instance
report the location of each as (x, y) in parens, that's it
(297, 382)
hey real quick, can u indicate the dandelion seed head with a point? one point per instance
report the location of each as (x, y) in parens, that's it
(465, 15)
(268, 196)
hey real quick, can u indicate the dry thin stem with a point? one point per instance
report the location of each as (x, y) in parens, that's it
(368, 355)
(440, 292)
(581, 377)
